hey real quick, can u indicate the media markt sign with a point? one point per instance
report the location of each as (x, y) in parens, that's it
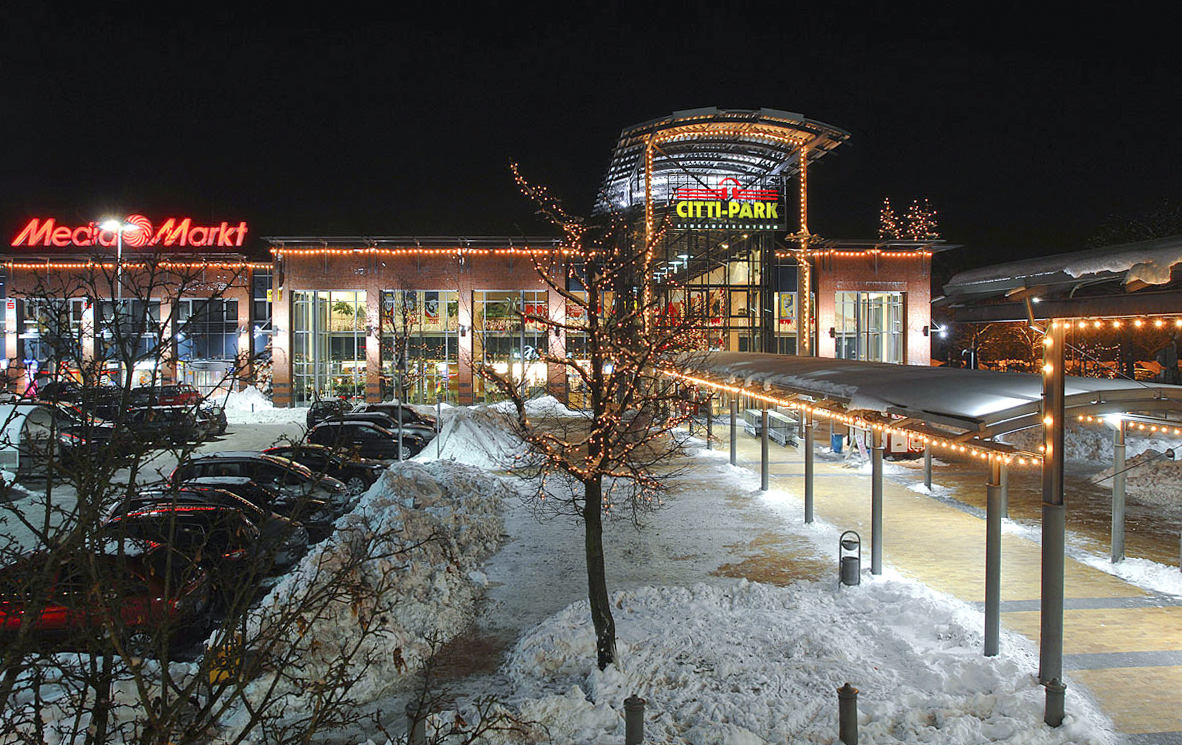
(729, 205)
(138, 232)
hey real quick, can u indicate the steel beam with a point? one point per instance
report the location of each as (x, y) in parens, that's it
(734, 429)
(1053, 510)
(809, 431)
(993, 510)
(1118, 493)
(876, 448)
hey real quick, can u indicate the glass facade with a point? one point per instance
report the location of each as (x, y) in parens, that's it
(869, 326)
(503, 342)
(329, 331)
(420, 345)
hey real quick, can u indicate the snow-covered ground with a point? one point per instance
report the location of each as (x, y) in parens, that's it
(720, 661)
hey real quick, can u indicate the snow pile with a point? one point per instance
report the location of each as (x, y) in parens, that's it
(478, 436)
(749, 663)
(423, 530)
(1151, 477)
(250, 406)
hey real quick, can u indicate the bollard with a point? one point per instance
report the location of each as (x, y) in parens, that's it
(850, 564)
(416, 728)
(1056, 691)
(633, 720)
(847, 714)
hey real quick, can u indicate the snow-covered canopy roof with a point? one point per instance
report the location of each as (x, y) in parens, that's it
(1095, 282)
(974, 404)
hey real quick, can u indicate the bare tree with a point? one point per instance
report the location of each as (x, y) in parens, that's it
(611, 335)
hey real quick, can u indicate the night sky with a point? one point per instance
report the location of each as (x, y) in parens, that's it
(1026, 132)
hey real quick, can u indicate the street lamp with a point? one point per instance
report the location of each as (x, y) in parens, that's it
(118, 227)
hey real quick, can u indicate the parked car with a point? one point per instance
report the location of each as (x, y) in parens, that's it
(364, 439)
(398, 411)
(160, 426)
(290, 479)
(166, 395)
(103, 401)
(315, 516)
(284, 538)
(326, 408)
(220, 539)
(358, 474)
(211, 420)
(425, 431)
(34, 435)
(147, 588)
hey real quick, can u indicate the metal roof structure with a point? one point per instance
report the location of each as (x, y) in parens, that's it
(1124, 280)
(745, 144)
(971, 406)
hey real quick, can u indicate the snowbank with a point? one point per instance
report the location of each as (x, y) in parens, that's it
(748, 663)
(478, 436)
(250, 406)
(426, 529)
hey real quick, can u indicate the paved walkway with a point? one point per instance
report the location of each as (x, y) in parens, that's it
(1122, 643)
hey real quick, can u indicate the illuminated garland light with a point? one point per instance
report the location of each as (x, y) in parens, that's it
(457, 251)
(842, 254)
(1097, 324)
(1020, 458)
(135, 265)
(1131, 425)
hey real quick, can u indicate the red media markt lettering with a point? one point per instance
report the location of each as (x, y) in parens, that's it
(172, 232)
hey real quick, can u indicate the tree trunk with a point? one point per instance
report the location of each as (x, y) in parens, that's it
(601, 610)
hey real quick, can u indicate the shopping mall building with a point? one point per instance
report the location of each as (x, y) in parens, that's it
(722, 194)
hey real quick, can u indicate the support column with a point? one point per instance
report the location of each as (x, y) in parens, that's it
(1053, 510)
(927, 465)
(808, 467)
(1005, 490)
(734, 429)
(876, 448)
(710, 421)
(1118, 493)
(763, 449)
(993, 505)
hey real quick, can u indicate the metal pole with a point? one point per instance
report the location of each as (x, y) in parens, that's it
(927, 465)
(993, 559)
(734, 429)
(876, 448)
(1053, 510)
(847, 714)
(1005, 490)
(808, 469)
(633, 720)
(763, 449)
(710, 422)
(1118, 493)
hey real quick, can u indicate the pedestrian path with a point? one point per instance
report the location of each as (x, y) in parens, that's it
(1123, 643)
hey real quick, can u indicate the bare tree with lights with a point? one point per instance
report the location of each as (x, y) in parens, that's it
(613, 338)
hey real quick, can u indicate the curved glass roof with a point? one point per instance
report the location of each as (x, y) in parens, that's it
(708, 144)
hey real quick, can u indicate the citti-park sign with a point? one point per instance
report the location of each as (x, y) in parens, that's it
(729, 205)
(138, 232)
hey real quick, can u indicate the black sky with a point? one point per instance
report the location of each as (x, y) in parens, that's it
(1026, 130)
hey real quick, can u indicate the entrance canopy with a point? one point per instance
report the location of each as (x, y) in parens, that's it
(961, 406)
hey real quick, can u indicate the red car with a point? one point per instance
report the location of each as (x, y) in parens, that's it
(149, 590)
(181, 394)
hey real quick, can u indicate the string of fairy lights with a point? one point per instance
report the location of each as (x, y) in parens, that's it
(952, 446)
(1130, 425)
(63, 265)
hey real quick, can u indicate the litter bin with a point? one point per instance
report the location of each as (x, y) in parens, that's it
(835, 442)
(849, 557)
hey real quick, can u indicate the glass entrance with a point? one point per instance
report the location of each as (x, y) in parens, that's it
(869, 326)
(328, 344)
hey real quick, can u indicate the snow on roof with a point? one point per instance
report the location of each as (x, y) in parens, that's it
(979, 400)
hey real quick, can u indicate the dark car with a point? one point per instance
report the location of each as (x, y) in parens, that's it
(221, 539)
(425, 431)
(285, 539)
(364, 439)
(211, 420)
(314, 516)
(145, 590)
(289, 479)
(326, 408)
(160, 426)
(358, 474)
(398, 411)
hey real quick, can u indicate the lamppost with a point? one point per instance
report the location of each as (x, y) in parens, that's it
(118, 227)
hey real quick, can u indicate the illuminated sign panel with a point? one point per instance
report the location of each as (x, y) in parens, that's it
(729, 205)
(138, 233)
